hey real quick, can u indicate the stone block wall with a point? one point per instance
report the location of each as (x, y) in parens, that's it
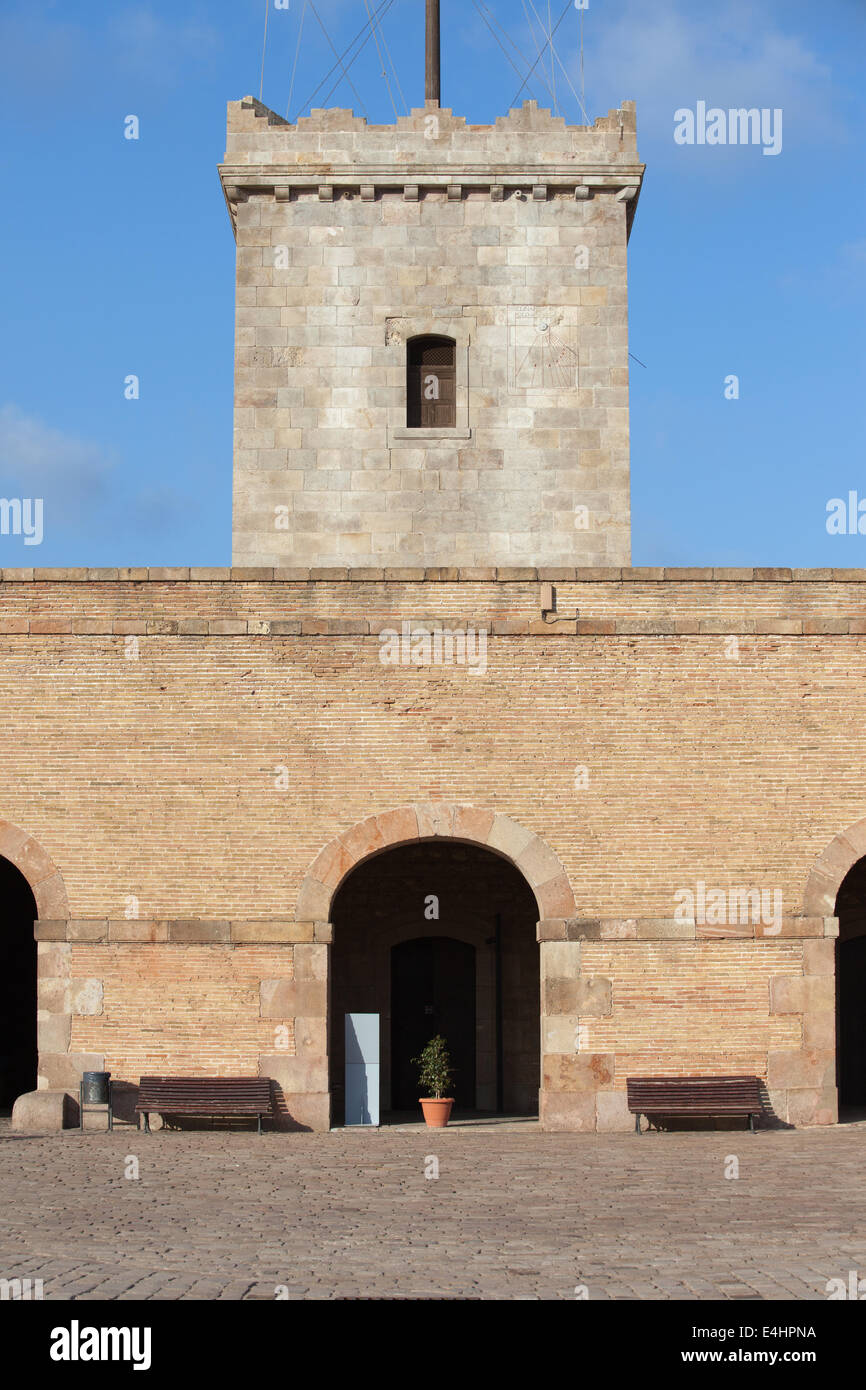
(510, 239)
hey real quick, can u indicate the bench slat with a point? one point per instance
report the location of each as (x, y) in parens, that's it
(205, 1095)
(694, 1095)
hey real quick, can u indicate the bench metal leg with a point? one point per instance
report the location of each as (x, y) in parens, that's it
(260, 1124)
(146, 1122)
(752, 1123)
(637, 1124)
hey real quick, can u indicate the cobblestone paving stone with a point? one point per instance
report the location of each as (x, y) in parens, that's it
(513, 1215)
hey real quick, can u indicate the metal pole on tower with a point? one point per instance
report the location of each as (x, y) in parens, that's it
(432, 78)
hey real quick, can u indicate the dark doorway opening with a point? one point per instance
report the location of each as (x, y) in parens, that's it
(450, 926)
(432, 993)
(18, 1055)
(851, 990)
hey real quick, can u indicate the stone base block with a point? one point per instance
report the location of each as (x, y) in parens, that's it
(567, 1111)
(45, 1111)
(813, 1107)
(612, 1113)
(309, 1111)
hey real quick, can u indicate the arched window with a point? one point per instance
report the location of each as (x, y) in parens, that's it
(431, 395)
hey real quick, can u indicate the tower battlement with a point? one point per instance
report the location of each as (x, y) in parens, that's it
(257, 135)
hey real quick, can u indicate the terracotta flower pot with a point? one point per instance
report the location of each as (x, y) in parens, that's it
(436, 1112)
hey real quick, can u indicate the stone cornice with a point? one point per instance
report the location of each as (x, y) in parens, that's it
(554, 626)
(582, 574)
(266, 178)
(642, 929)
(188, 931)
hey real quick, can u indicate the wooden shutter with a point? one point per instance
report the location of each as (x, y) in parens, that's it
(431, 386)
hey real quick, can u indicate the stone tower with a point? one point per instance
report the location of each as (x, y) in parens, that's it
(432, 343)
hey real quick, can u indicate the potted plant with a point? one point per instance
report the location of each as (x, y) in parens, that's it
(434, 1076)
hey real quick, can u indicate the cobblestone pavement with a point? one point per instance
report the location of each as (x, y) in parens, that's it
(514, 1214)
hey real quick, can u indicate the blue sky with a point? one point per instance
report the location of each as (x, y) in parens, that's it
(117, 256)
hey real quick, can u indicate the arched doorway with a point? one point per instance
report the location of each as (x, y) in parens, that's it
(438, 936)
(851, 989)
(18, 1055)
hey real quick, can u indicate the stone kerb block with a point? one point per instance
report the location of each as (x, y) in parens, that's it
(44, 1111)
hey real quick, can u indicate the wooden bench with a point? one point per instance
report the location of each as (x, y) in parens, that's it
(705, 1096)
(222, 1096)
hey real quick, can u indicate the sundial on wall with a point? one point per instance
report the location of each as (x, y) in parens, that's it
(542, 349)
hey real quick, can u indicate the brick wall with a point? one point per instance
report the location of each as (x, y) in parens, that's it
(202, 778)
(192, 1009)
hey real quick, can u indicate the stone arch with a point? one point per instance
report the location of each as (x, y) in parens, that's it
(828, 871)
(43, 875)
(475, 825)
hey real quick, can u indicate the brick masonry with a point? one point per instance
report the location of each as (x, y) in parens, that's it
(225, 782)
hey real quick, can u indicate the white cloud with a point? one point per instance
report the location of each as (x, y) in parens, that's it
(668, 54)
(37, 458)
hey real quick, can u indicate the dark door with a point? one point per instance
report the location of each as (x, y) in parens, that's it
(851, 987)
(18, 1055)
(432, 991)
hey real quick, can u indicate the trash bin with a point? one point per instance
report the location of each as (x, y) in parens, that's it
(95, 1084)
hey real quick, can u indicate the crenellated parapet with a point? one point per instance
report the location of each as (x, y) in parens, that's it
(529, 152)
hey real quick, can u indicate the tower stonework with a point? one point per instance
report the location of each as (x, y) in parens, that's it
(504, 243)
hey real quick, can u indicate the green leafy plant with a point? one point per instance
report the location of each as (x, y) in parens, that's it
(435, 1071)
